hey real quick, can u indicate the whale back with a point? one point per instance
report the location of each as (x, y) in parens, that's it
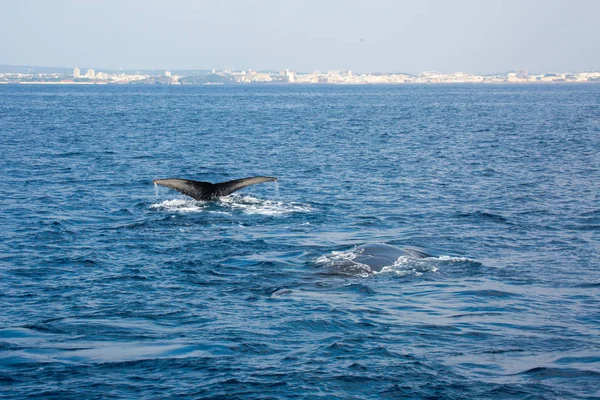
(377, 256)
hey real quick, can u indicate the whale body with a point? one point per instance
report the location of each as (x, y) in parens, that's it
(377, 256)
(208, 191)
(369, 259)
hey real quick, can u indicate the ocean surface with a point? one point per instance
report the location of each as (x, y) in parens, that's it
(113, 288)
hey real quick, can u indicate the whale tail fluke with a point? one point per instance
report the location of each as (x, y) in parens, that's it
(226, 188)
(206, 190)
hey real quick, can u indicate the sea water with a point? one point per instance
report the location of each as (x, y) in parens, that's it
(110, 289)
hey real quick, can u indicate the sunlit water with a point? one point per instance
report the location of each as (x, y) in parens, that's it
(111, 287)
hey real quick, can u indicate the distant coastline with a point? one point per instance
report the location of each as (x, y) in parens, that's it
(63, 76)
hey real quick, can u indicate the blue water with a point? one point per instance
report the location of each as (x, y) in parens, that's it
(111, 287)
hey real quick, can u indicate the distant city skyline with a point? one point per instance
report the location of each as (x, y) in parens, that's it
(25, 75)
(85, 68)
(365, 36)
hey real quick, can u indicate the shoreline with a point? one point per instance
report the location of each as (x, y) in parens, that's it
(309, 84)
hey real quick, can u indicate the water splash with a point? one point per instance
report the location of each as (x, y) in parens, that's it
(230, 204)
(254, 205)
(180, 206)
(404, 266)
(342, 263)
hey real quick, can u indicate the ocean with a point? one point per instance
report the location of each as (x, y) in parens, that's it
(112, 287)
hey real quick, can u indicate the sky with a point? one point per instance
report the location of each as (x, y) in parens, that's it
(475, 36)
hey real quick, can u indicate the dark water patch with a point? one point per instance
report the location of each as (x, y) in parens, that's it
(122, 212)
(315, 325)
(121, 278)
(7, 380)
(481, 216)
(281, 292)
(359, 288)
(588, 285)
(9, 347)
(559, 373)
(580, 360)
(595, 214)
(583, 227)
(477, 314)
(489, 294)
(503, 351)
(45, 328)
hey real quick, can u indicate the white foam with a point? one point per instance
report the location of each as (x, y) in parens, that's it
(180, 206)
(253, 205)
(228, 205)
(454, 259)
(338, 256)
(404, 266)
(343, 262)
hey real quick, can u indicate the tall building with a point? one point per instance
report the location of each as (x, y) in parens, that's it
(289, 76)
(76, 73)
(90, 74)
(522, 73)
(168, 74)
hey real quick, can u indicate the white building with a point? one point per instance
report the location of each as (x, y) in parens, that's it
(76, 72)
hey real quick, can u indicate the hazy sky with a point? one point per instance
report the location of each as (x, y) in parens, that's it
(304, 35)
